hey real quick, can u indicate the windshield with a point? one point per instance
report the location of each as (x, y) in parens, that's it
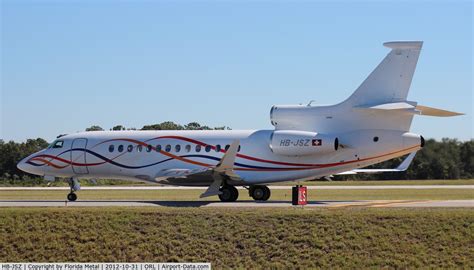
(56, 144)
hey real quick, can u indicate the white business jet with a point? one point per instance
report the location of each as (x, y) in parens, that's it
(308, 142)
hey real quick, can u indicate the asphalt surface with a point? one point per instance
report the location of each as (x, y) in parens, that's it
(330, 204)
(243, 203)
(271, 187)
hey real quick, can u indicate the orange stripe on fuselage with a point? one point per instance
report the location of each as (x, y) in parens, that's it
(300, 166)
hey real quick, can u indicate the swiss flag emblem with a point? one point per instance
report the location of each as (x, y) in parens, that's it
(317, 142)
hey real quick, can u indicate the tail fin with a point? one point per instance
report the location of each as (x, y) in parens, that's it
(391, 80)
(380, 102)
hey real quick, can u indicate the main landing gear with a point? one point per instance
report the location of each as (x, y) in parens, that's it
(228, 193)
(74, 186)
(259, 193)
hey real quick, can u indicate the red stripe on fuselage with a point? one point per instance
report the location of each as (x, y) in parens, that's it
(301, 166)
(242, 155)
(212, 146)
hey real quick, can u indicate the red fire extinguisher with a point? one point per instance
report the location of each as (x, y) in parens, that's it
(299, 196)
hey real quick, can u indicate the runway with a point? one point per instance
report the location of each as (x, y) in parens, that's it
(240, 204)
(271, 187)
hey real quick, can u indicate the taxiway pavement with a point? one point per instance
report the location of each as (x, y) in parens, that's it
(271, 187)
(240, 204)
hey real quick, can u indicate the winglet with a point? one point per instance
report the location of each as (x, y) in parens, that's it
(227, 162)
(225, 166)
(401, 168)
(213, 189)
(406, 163)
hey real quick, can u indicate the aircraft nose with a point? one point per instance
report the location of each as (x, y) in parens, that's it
(24, 166)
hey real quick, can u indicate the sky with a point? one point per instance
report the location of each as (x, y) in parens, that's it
(67, 65)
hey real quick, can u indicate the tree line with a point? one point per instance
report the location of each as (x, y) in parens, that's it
(445, 159)
(167, 125)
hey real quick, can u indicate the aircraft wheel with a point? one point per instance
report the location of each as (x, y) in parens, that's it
(259, 193)
(267, 193)
(229, 194)
(72, 197)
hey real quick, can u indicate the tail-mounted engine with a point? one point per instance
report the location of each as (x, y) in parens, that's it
(302, 143)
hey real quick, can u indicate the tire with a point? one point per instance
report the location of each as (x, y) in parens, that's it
(258, 192)
(235, 193)
(72, 197)
(267, 193)
(229, 194)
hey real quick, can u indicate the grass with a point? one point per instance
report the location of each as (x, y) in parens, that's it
(242, 238)
(387, 182)
(193, 195)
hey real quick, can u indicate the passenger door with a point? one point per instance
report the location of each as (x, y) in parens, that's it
(78, 156)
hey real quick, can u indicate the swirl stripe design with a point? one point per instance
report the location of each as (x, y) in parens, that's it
(213, 147)
(42, 159)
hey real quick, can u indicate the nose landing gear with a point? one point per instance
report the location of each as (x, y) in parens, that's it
(72, 197)
(74, 186)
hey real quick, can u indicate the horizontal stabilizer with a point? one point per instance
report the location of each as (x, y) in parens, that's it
(424, 110)
(401, 168)
(392, 106)
(409, 108)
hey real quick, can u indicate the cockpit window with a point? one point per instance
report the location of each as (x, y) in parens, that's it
(57, 144)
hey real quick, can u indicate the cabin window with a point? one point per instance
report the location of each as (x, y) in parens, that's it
(168, 148)
(177, 148)
(227, 147)
(120, 148)
(158, 148)
(139, 148)
(198, 148)
(148, 148)
(218, 147)
(57, 144)
(238, 150)
(130, 148)
(208, 148)
(188, 148)
(111, 148)
(376, 139)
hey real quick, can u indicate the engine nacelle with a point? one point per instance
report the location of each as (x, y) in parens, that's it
(302, 143)
(290, 116)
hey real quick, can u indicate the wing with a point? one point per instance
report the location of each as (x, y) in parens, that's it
(214, 176)
(401, 168)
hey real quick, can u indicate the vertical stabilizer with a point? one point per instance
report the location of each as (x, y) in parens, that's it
(380, 102)
(391, 80)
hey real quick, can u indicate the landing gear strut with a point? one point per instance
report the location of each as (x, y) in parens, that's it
(229, 193)
(74, 186)
(259, 193)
